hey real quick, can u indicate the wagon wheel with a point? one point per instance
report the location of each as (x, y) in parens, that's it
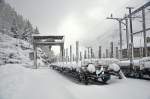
(141, 74)
(79, 77)
(105, 78)
(86, 80)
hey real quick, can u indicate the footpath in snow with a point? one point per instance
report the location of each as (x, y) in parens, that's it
(18, 82)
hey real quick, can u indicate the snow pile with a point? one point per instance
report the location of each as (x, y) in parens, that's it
(91, 68)
(92, 61)
(102, 61)
(95, 62)
(72, 65)
(145, 62)
(114, 67)
(107, 61)
(127, 62)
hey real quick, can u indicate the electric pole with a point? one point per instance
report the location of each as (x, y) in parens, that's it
(131, 34)
(127, 36)
(120, 33)
(144, 32)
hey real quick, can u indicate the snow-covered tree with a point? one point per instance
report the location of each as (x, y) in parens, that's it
(14, 29)
(28, 31)
(13, 24)
(36, 31)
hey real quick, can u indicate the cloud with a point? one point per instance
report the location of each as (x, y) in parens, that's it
(82, 20)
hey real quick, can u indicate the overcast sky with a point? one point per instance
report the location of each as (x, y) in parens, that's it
(82, 20)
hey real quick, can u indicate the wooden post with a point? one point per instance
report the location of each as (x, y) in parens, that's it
(144, 32)
(117, 53)
(88, 52)
(85, 54)
(112, 52)
(131, 55)
(141, 52)
(107, 53)
(100, 52)
(77, 51)
(73, 57)
(104, 56)
(80, 56)
(71, 53)
(50, 48)
(120, 30)
(35, 54)
(91, 52)
(131, 45)
(127, 37)
(66, 54)
(62, 52)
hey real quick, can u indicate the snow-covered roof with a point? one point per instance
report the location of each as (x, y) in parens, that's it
(40, 36)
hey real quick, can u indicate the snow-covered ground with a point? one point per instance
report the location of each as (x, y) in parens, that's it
(18, 82)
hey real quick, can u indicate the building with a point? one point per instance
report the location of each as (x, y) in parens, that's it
(138, 47)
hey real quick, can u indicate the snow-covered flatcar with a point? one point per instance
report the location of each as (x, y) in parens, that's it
(140, 69)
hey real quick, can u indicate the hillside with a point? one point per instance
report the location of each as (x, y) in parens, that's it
(14, 50)
(15, 37)
(13, 24)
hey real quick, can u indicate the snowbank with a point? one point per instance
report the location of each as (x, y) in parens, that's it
(114, 67)
(18, 82)
(12, 78)
(96, 62)
(91, 68)
(127, 63)
(68, 64)
(107, 61)
(102, 61)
